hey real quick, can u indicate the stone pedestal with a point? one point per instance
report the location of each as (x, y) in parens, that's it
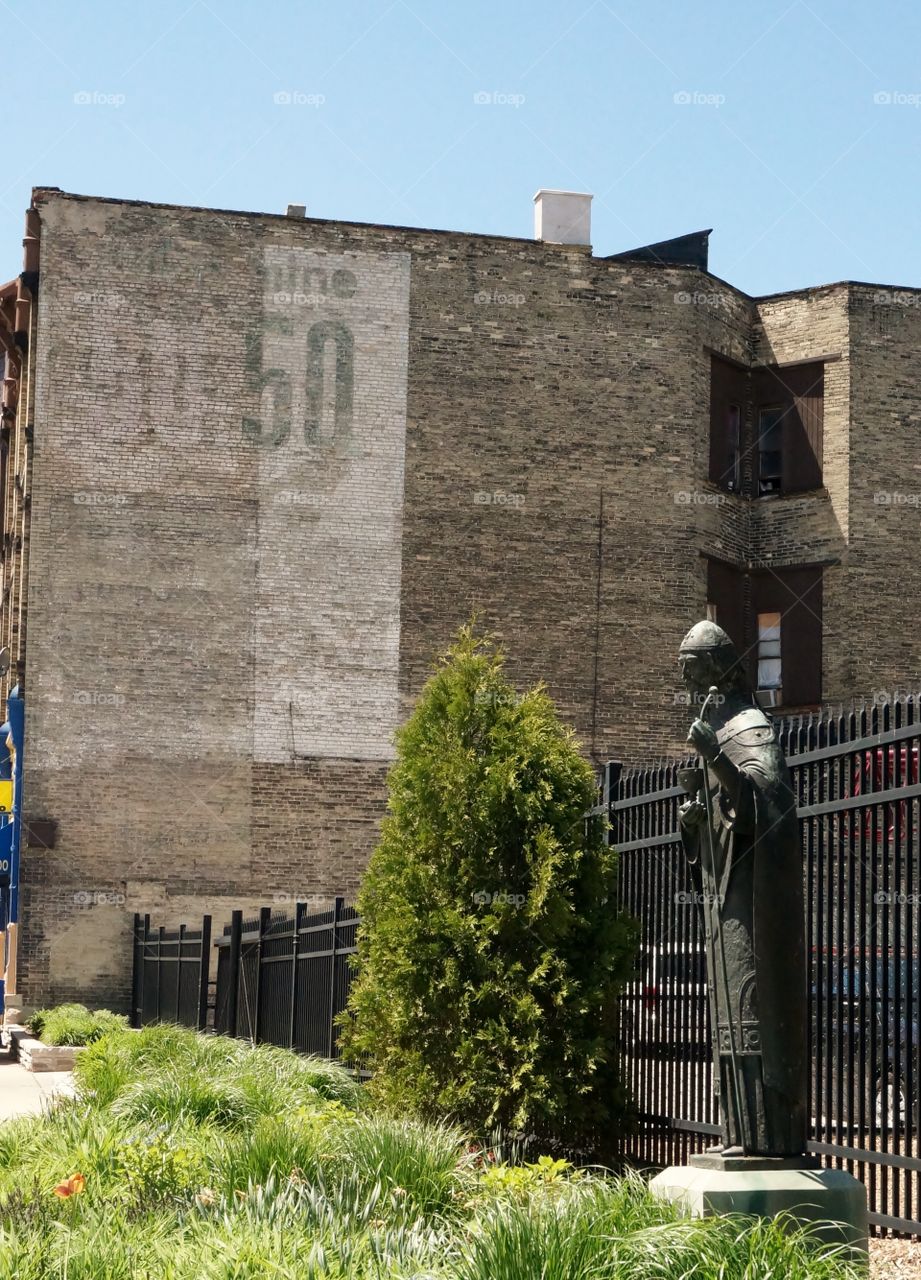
(830, 1201)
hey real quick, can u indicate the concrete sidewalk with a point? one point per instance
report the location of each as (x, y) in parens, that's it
(25, 1093)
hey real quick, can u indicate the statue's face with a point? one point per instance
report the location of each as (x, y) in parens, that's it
(695, 671)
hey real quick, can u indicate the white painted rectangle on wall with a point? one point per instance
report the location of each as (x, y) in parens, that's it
(331, 437)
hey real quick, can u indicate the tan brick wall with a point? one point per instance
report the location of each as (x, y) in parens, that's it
(885, 510)
(812, 528)
(235, 596)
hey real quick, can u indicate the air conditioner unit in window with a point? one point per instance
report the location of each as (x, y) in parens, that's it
(770, 697)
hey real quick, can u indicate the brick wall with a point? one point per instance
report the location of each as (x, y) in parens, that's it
(885, 491)
(278, 462)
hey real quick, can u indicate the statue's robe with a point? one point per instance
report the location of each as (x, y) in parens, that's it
(754, 932)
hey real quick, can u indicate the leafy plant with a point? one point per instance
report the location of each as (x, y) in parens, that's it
(491, 951)
(157, 1168)
(520, 1182)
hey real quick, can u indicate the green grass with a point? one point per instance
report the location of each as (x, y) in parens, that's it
(73, 1024)
(208, 1159)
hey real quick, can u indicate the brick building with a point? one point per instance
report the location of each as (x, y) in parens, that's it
(257, 469)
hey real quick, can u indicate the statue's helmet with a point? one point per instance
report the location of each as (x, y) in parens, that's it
(707, 637)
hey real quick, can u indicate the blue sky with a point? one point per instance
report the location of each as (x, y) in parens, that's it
(790, 128)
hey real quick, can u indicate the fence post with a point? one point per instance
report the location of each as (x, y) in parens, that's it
(179, 950)
(137, 977)
(299, 908)
(265, 916)
(337, 911)
(233, 971)
(612, 771)
(204, 972)
(161, 933)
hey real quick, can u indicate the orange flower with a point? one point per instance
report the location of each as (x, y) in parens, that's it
(71, 1186)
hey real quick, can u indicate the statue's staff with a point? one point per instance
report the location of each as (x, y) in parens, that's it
(720, 943)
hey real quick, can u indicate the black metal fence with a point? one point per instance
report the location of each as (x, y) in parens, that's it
(281, 979)
(285, 980)
(171, 967)
(856, 779)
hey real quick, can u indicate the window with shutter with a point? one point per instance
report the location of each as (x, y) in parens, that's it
(789, 600)
(789, 410)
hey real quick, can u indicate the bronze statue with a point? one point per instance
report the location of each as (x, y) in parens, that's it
(740, 833)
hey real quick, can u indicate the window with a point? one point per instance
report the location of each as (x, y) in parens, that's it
(770, 450)
(769, 659)
(788, 408)
(774, 618)
(786, 612)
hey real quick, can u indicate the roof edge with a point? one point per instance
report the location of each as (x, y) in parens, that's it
(650, 256)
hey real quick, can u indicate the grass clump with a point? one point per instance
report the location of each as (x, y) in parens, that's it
(605, 1229)
(174, 1096)
(73, 1024)
(189, 1157)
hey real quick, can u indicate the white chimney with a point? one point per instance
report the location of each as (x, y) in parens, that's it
(563, 217)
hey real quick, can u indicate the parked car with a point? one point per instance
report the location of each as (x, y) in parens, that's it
(866, 1023)
(665, 1007)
